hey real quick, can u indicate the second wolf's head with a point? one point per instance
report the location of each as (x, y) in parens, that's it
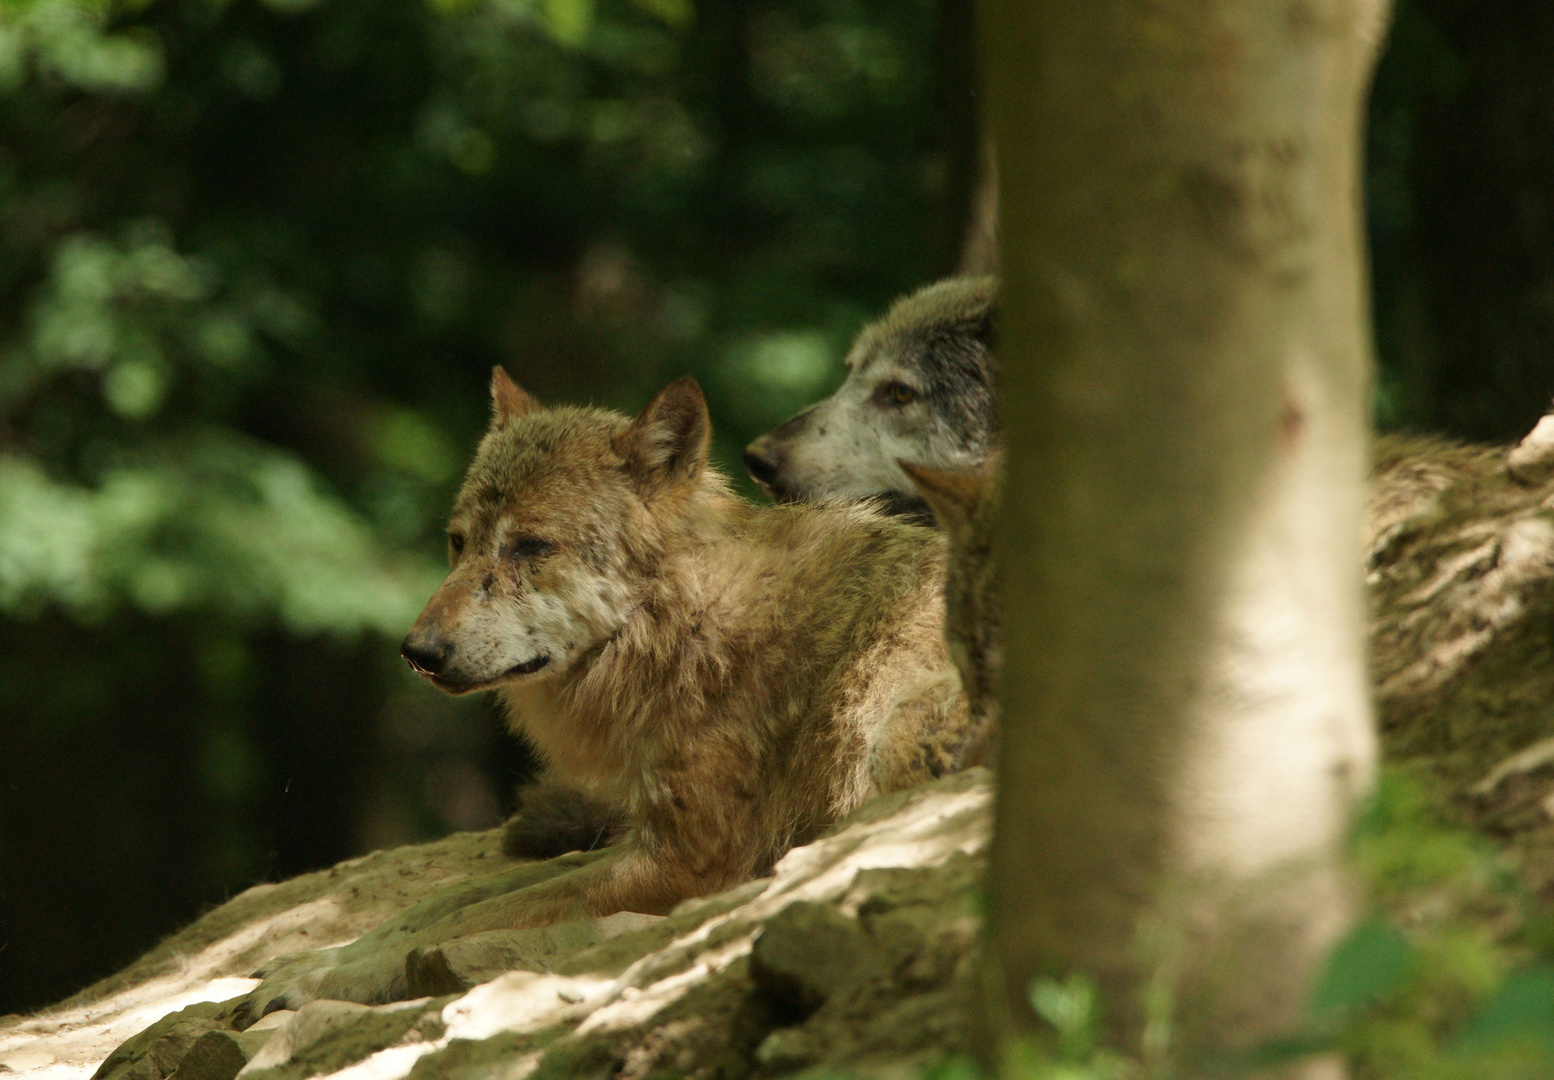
(560, 520)
(919, 387)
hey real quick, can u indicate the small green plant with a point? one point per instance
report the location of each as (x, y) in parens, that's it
(1449, 976)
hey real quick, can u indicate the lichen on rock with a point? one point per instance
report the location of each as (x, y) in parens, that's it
(624, 996)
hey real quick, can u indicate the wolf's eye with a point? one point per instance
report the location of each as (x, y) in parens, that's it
(896, 392)
(531, 547)
(456, 543)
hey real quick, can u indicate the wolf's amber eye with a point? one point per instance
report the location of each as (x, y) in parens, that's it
(896, 392)
(531, 547)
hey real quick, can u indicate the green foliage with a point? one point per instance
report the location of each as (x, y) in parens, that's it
(1365, 968)
(214, 523)
(1423, 988)
(257, 259)
(1420, 989)
(68, 39)
(209, 342)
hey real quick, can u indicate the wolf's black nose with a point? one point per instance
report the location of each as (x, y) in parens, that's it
(427, 653)
(762, 463)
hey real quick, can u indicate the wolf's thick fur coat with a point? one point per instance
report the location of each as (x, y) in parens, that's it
(552, 819)
(737, 677)
(756, 672)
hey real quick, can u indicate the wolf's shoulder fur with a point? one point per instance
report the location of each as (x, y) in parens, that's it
(966, 503)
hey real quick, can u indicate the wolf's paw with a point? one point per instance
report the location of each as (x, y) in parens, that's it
(343, 974)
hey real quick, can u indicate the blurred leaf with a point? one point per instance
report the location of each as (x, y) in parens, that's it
(676, 13)
(570, 20)
(1070, 1007)
(1522, 1009)
(67, 38)
(406, 440)
(231, 528)
(1369, 964)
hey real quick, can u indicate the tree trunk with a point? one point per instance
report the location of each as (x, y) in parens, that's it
(1185, 379)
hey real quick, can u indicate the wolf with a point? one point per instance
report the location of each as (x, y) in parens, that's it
(965, 502)
(735, 677)
(920, 387)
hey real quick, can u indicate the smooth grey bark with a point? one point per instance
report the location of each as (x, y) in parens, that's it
(1185, 376)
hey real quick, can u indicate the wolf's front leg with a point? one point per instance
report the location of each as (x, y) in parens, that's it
(926, 735)
(371, 969)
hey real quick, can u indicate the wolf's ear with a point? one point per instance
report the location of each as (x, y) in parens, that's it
(985, 328)
(668, 439)
(955, 496)
(508, 400)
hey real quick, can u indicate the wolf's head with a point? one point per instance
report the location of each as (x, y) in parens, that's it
(560, 519)
(919, 387)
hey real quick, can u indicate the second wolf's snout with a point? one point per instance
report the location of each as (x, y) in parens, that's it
(766, 459)
(763, 458)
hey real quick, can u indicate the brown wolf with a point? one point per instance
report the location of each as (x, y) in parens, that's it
(919, 388)
(737, 677)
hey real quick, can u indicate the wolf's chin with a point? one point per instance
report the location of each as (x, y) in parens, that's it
(778, 493)
(913, 509)
(528, 667)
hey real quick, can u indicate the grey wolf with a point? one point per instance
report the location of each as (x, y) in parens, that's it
(736, 677)
(919, 387)
(965, 503)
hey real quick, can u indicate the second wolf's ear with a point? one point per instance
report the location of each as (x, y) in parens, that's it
(985, 329)
(955, 496)
(508, 400)
(668, 440)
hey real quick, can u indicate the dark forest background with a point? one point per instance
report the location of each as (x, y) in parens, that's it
(257, 259)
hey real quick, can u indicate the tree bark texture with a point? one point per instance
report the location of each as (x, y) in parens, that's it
(1185, 378)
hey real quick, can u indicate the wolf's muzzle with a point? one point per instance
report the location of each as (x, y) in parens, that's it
(762, 461)
(426, 653)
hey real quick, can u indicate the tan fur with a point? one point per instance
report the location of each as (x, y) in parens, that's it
(966, 504)
(745, 675)
(737, 676)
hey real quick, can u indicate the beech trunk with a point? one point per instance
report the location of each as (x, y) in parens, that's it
(1185, 386)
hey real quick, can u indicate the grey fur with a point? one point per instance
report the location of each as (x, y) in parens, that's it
(938, 344)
